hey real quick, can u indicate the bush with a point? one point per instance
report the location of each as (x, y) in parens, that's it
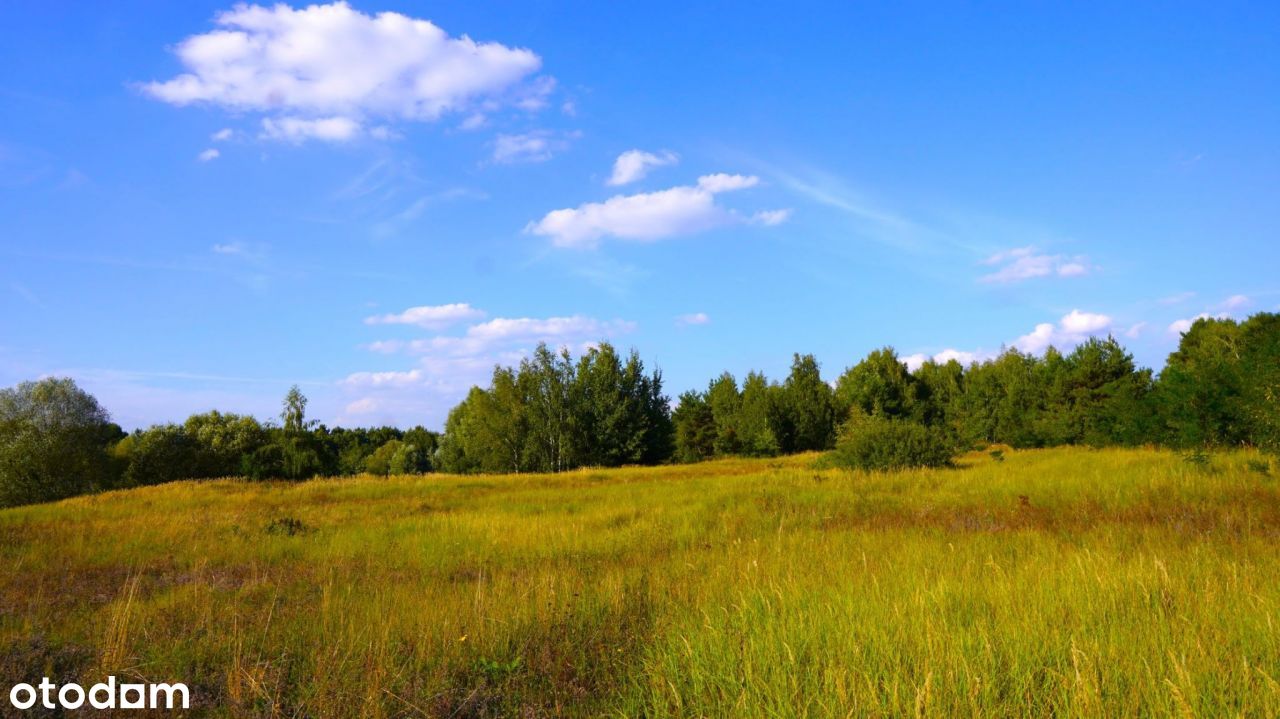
(868, 442)
(53, 443)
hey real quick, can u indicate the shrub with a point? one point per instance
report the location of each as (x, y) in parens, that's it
(875, 442)
(53, 442)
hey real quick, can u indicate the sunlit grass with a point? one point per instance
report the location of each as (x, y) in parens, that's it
(1060, 582)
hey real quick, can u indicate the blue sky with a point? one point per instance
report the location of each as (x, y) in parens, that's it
(201, 203)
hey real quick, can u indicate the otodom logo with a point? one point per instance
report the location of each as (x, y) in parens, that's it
(104, 695)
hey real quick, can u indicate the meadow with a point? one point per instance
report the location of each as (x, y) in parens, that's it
(1063, 582)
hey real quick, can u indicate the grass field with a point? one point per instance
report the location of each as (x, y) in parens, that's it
(1053, 583)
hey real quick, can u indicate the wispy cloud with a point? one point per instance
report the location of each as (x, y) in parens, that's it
(634, 165)
(429, 316)
(447, 365)
(695, 318)
(1025, 263)
(646, 217)
(533, 146)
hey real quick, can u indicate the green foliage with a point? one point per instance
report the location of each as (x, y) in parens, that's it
(810, 406)
(398, 457)
(163, 453)
(726, 405)
(1221, 387)
(876, 442)
(53, 442)
(695, 428)
(551, 414)
(1200, 387)
(221, 441)
(880, 386)
(379, 463)
(293, 412)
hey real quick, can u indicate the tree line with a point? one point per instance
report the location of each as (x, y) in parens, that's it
(1220, 388)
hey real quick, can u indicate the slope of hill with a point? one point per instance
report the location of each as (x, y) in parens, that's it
(1066, 582)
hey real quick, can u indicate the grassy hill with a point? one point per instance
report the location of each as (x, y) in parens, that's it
(1060, 582)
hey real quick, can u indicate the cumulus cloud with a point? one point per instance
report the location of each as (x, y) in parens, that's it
(331, 62)
(1024, 263)
(208, 155)
(1071, 330)
(429, 316)
(633, 165)
(1224, 310)
(913, 361)
(695, 318)
(1178, 327)
(645, 217)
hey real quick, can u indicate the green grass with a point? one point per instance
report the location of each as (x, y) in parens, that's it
(1053, 583)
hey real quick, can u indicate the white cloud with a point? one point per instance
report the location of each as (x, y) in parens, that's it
(1178, 327)
(429, 317)
(229, 248)
(384, 379)
(1235, 302)
(964, 358)
(914, 361)
(447, 366)
(1024, 263)
(555, 330)
(646, 216)
(366, 405)
(208, 155)
(297, 129)
(1224, 310)
(1084, 323)
(474, 121)
(724, 182)
(696, 318)
(331, 61)
(1071, 330)
(1074, 328)
(222, 135)
(772, 218)
(1136, 330)
(633, 165)
(535, 146)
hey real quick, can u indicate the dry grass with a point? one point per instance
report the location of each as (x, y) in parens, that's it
(1060, 582)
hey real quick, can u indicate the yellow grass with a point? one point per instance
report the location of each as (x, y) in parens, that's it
(1060, 582)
